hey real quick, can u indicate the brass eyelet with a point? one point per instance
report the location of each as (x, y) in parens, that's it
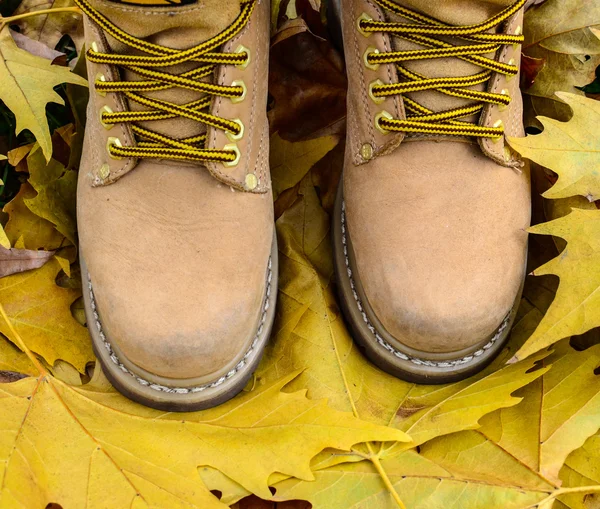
(502, 107)
(239, 83)
(379, 116)
(100, 77)
(94, 47)
(240, 135)
(242, 49)
(363, 17)
(104, 171)
(374, 98)
(106, 125)
(111, 140)
(238, 155)
(497, 123)
(511, 76)
(369, 50)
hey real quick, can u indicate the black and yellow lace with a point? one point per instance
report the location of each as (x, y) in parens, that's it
(151, 144)
(424, 31)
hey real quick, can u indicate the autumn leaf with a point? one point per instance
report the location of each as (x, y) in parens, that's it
(34, 47)
(4, 240)
(576, 308)
(23, 226)
(40, 311)
(20, 260)
(290, 162)
(63, 444)
(57, 189)
(14, 360)
(308, 84)
(582, 468)
(561, 32)
(26, 87)
(50, 28)
(562, 408)
(463, 470)
(570, 149)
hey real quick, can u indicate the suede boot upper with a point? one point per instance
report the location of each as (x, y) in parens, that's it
(437, 223)
(177, 251)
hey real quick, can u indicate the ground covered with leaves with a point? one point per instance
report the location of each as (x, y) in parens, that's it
(318, 425)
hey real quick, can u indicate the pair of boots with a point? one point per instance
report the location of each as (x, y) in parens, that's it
(178, 248)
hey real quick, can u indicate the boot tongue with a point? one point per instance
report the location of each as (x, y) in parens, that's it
(453, 12)
(176, 24)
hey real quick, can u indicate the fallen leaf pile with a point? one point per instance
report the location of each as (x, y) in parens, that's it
(318, 425)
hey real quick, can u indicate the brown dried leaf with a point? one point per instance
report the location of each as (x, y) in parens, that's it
(49, 28)
(34, 47)
(308, 83)
(20, 260)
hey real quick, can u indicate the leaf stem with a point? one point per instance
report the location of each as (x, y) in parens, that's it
(21, 344)
(566, 491)
(10, 19)
(386, 480)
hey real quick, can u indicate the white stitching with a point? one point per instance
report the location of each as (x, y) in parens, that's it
(184, 390)
(390, 348)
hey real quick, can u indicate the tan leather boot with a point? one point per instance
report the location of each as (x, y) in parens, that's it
(178, 252)
(429, 229)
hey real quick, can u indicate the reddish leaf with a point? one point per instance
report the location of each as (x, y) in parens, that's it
(530, 67)
(308, 84)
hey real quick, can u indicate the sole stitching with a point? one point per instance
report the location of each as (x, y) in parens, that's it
(389, 348)
(183, 390)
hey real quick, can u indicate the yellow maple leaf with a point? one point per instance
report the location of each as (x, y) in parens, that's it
(65, 444)
(26, 87)
(291, 161)
(56, 191)
(40, 310)
(576, 307)
(570, 149)
(35, 232)
(562, 409)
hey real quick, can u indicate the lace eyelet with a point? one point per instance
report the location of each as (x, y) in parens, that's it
(94, 47)
(100, 77)
(238, 155)
(240, 135)
(106, 125)
(378, 117)
(502, 107)
(239, 83)
(369, 51)
(111, 140)
(374, 98)
(363, 17)
(511, 62)
(242, 49)
(497, 123)
(104, 171)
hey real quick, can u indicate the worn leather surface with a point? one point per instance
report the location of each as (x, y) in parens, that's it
(437, 224)
(178, 258)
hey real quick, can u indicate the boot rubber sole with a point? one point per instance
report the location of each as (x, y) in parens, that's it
(179, 395)
(387, 352)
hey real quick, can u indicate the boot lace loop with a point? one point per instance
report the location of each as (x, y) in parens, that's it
(150, 144)
(424, 31)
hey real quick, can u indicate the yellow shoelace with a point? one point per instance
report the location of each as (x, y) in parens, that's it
(151, 144)
(423, 32)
